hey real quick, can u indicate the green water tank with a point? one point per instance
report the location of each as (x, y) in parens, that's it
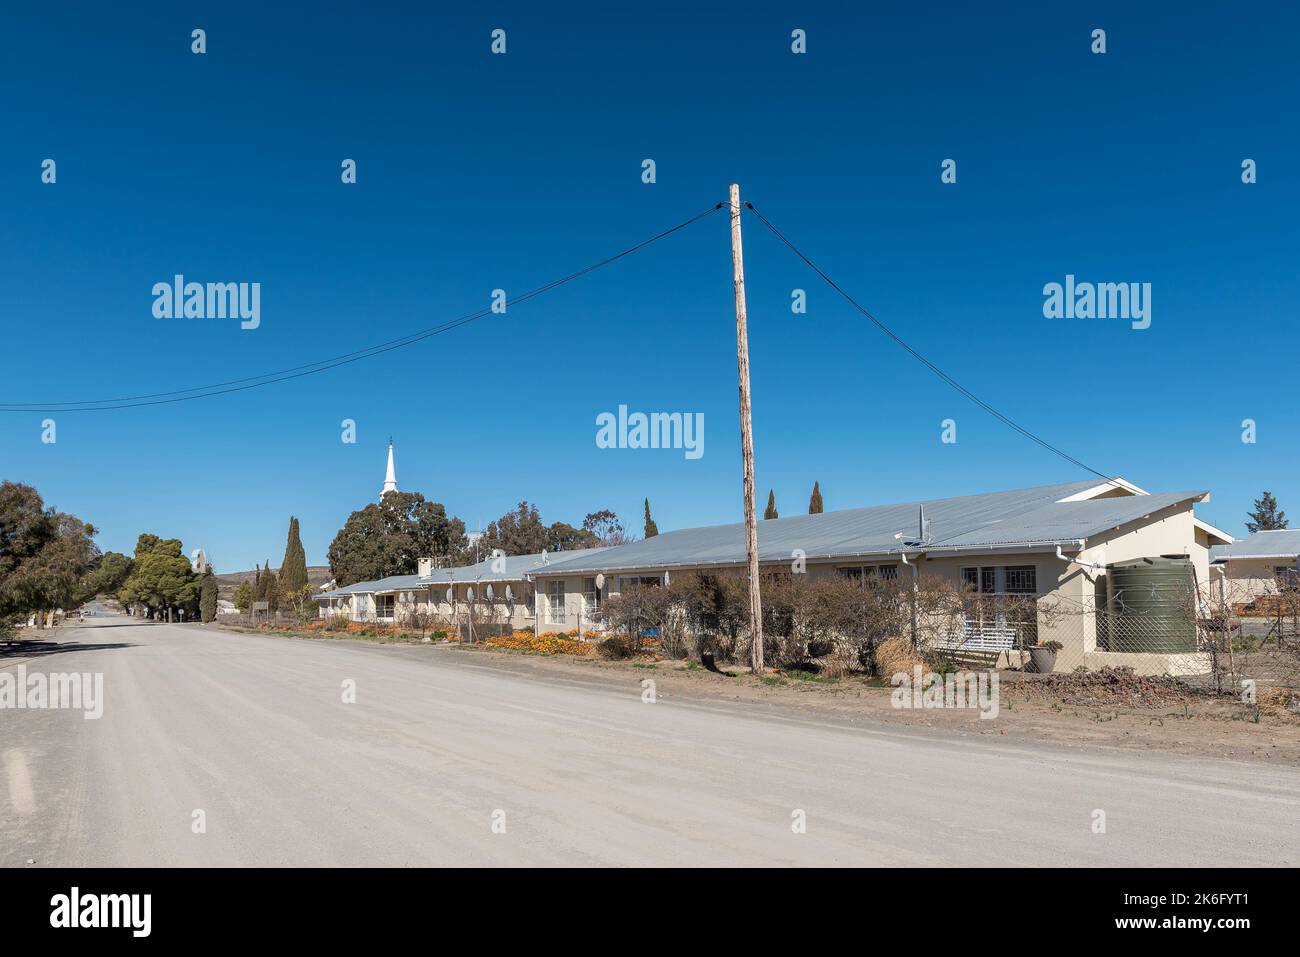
(1153, 606)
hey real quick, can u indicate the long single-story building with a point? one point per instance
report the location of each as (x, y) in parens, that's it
(1059, 544)
(1262, 564)
(498, 591)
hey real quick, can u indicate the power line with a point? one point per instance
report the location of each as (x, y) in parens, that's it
(323, 365)
(920, 358)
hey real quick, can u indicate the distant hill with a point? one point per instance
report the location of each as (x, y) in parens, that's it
(317, 575)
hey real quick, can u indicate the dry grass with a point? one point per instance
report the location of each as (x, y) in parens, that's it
(896, 655)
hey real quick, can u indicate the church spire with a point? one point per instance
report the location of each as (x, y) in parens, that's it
(390, 478)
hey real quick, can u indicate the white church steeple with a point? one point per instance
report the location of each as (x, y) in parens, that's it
(390, 478)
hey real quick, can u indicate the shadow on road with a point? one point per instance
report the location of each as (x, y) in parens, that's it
(37, 649)
(124, 624)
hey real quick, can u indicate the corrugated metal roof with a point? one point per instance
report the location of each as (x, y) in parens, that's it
(1280, 543)
(1065, 521)
(1025, 516)
(513, 568)
(392, 583)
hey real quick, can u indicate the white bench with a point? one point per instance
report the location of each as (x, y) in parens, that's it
(987, 640)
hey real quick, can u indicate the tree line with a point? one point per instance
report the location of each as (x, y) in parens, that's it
(390, 536)
(49, 561)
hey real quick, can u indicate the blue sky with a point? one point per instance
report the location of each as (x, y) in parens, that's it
(478, 171)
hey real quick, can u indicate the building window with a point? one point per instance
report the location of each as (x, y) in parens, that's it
(861, 572)
(590, 596)
(1022, 580)
(555, 602)
(383, 606)
(648, 580)
(1017, 579)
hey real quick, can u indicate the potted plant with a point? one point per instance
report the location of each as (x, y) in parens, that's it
(1042, 657)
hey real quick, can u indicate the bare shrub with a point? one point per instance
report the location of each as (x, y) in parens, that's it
(615, 648)
(633, 612)
(896, 655)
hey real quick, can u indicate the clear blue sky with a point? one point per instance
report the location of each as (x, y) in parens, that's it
(478, 171)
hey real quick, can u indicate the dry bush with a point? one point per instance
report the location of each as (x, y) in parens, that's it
(638, 609)
(833, 623)
(895, 656)
(616, 648)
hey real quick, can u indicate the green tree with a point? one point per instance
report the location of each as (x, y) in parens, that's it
(108, 576)
(44, 554)
(208, 596)
(391, 536)
(293, 570)
(300, 600)
(1266, 517)
(270, 587)
(606, 527)
(651, 529)
(519, 532)
(815, 500)
(161, 579)
(562, 536)
(244, 596)
(770, 511)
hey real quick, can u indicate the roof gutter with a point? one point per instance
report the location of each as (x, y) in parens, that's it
(1095, 566)
(941, 551)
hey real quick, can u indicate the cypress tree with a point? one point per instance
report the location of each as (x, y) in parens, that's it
(815, 500)
(1266, 517)
(271, 587)
(770, 512)
(208, 596)
(651, 529)
(293, 570)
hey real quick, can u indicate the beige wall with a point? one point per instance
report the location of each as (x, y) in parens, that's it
(1169, 531)
(1246, 579)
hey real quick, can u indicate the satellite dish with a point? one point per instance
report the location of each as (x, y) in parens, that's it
(667, 580)
(545, 560)
(451, 595)
(510, 595)
(489, 593)
(600, 581)
(469, 593)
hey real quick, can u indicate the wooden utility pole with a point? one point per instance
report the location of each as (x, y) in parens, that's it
(746, 436)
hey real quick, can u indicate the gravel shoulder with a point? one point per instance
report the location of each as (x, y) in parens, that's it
(1187, 724)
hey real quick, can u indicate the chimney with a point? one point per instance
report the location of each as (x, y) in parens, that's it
(425, 566)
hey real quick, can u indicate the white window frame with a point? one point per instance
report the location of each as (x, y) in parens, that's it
(555, 592)
(591, 596)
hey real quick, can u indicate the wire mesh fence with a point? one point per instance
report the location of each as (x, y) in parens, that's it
(1165, 628)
